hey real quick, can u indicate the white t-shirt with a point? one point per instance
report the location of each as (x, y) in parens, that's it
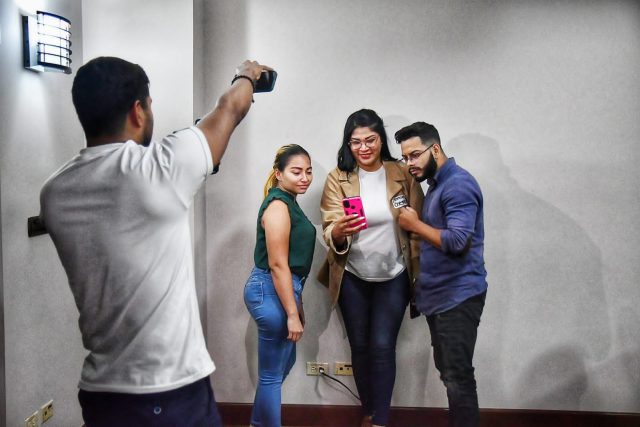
(118, 216)
(375, 253)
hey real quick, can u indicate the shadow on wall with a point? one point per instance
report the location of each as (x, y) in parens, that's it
(557, 379)
(546, 313)
(629, 360)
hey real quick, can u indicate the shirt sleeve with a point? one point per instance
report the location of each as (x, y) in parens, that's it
(331, 211)
(460, 204)
(186, 156)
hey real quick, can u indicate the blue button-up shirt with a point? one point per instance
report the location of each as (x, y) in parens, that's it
(456, 272)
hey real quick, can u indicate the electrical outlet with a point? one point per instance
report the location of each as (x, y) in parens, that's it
(313, 368)
(47, 411)
(343, 368)
(32, 420)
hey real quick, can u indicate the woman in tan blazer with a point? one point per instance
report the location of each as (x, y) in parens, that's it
(370, 269)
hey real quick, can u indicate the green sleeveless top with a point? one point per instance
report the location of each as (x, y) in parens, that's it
(301, 239)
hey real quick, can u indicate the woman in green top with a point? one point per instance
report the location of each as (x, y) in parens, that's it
(283, 254)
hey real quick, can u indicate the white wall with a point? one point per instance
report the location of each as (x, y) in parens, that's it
(42, 346)
(539, 101)
(157, 35)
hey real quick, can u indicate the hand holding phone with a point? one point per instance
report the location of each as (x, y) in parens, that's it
(266, 81)
(353, 205)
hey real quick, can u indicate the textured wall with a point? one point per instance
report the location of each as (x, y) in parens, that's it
(539, 101)
(42, 349)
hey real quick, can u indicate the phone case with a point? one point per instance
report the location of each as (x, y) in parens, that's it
(353, 205)
(266, 82)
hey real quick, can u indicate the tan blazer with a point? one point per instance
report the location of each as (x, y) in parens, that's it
(341, 184)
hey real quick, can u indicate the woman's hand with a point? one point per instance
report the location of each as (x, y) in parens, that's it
(295, 327)
(345, 226)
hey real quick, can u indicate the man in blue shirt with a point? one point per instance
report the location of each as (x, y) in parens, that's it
(451, 286)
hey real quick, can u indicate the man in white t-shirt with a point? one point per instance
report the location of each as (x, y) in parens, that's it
(118, 216)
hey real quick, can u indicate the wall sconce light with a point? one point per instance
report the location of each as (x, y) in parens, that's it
(47, 42)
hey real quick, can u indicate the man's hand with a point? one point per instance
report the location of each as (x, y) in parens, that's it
(232, 106)
(251, 69)
(408, 219)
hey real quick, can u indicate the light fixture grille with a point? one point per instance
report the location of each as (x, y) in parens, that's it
(47, 42)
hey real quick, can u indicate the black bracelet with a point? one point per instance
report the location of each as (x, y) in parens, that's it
(242, 76)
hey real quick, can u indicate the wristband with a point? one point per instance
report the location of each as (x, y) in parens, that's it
(242, 76)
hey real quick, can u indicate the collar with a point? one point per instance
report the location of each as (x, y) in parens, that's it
(281, 191)
(443, 172)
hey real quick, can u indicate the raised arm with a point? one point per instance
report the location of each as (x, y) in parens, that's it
(232, 106)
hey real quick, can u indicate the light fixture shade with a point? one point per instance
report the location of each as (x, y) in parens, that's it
(47, 42)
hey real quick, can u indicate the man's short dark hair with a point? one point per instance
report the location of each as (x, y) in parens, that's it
(104, 90)
(424, 131)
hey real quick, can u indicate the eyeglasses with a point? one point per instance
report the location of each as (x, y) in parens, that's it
(368, 142)
(412, 157)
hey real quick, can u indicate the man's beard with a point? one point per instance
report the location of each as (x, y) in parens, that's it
(148, 133)
(429, 170)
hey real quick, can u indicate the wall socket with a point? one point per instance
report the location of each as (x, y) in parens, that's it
(47, 411)
(32, 420)
(343, 368)
(313, 368)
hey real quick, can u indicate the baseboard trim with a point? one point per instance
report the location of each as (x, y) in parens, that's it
(348, 416)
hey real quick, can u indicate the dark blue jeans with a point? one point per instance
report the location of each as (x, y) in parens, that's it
(373, 313)
(193, 405)
(276, 353)
(453, 337)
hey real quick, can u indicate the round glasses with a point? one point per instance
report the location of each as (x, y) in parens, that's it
(369, 142)
(412, 157)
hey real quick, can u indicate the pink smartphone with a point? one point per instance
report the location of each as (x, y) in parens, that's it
(353, 205)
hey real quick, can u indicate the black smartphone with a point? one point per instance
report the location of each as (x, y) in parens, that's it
(267, 81)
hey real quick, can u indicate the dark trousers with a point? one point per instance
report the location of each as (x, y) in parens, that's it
(453, 337)
(193, 405)
(373, 313)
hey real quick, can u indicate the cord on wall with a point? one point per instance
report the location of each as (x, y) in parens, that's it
(324, 374)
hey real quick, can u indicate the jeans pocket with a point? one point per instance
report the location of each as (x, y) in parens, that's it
(253, 294)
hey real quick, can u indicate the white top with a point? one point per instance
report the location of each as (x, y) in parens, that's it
(375, 253)
(118, 216)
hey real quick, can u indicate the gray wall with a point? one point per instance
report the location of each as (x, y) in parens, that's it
(538, 100)
(42, 347)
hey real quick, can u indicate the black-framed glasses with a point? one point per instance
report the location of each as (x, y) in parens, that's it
(368, 142)
(412, 157)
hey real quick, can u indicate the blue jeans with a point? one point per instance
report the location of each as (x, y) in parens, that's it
(193, 405)
(453, 337)
(373, 313)
(276, 354)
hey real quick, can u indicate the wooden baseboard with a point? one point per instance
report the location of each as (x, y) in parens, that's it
(348, 416)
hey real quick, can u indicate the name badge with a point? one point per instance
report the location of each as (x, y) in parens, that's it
(399, 201)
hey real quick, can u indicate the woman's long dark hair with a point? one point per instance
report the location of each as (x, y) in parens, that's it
(359, 119)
